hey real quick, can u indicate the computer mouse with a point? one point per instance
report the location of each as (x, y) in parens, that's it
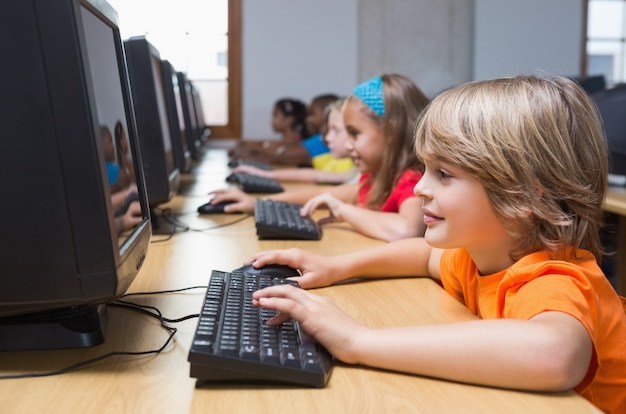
(274, 270)
(209, 208)
(232, 178)
(122, 209)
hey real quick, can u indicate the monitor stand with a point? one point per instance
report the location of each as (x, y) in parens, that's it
(80, 327)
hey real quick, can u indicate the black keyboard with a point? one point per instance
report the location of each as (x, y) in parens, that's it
(282, 220)
(232, 343)
(255, 184)
(258, 164)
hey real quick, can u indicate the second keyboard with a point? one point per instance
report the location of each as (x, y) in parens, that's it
(281, 220)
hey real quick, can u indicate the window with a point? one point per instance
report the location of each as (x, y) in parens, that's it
(606, 40)
(201, 38)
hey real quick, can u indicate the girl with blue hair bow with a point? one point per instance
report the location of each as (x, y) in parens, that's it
(379, 116)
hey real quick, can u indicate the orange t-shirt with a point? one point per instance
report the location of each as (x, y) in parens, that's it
(537, 284)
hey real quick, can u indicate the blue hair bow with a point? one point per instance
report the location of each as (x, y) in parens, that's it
(371, 93)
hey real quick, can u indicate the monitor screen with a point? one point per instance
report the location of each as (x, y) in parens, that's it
(203, 131)
(182, 158)
(110, 110)
(146, 82)
(189, 116)
(162, 108)
(68, 247)
(179, 105)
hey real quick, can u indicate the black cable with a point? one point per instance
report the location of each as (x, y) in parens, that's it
(187, 213)
(168, 216)
(161, 292)
(91, 361)
(145, 309)
(246, 216)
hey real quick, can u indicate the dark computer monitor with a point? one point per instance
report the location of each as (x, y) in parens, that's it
(612, 107)
(592, 84)
(202, 130)
(153, 124)
(189, 116)
(153, 130)
(182, 157)
(66, 247)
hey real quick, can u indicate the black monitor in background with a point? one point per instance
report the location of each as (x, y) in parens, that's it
(202, 130)
(189, 116)
(612, 107)
(153, 129)
(73, 239)
(182, 157)
(592, 84)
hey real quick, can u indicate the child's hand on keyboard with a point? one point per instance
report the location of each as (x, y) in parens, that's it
(242, 202)
(317, 270)
(333, 205)
(250, 169)
(318, 316)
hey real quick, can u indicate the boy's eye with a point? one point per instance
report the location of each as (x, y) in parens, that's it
(443, 174)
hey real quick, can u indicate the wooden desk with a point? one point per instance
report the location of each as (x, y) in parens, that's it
(615, 202)
(161, 383)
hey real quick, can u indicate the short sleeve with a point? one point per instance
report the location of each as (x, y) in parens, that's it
(402, 191)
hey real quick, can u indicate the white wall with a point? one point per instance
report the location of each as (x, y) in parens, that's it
(530, 36)
(294, 48)
(430, 41)
(302, 48)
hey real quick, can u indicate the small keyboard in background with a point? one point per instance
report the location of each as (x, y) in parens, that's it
(233, 343)
(258, 164)
(282, 220)
(255, 184)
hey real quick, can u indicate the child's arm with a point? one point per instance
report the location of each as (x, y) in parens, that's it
(244, 203)
(296, 174)
(276, 153)
(550, 352)
(407, 222)
(344, 192)
(408, 257)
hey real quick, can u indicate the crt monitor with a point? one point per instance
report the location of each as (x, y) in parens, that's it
(75, 221)
(182, 158)
(203, 131)
(612, 107)
(189, 116)
(153, 129)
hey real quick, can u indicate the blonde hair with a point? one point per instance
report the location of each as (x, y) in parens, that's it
(404, 101)
(336, 105)
(537, 146)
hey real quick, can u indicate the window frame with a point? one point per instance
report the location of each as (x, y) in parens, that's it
(232, 129)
